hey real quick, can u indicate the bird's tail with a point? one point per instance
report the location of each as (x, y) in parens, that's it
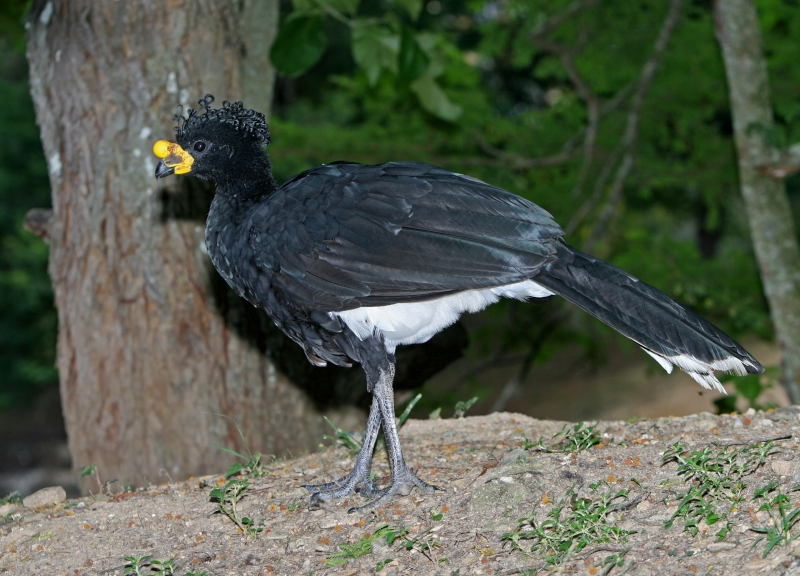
(663, 328)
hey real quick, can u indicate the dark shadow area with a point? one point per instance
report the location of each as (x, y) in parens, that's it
(33, 451)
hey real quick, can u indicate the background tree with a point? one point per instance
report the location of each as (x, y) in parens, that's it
(768, 209)
(150, 346)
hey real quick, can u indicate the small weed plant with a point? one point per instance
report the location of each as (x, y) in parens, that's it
(343, 438)
(141, 565)
(571, 525)
(364, 546)
(576, 438)
(228, 498)
(12, 498)
(145, 565)
(422, 543)
(716, 482)
(783, 516)
(463, 406)
(253, 467)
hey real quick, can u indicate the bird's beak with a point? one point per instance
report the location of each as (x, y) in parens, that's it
(174, 159)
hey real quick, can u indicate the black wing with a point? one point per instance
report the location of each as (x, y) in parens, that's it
(346, 235)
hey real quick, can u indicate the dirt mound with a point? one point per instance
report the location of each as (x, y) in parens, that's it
(590, 498)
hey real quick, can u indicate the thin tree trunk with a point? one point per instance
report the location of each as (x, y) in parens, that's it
(768, 210)
(150, 346)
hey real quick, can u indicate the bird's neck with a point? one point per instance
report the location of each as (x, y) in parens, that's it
(253, 180)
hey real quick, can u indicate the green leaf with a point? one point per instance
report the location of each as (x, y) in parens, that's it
(412, 61)
(434, 100)
(299, 45)
(217, 494)
(234, 469)
(303, 5)
(374, 49)
(749, 387)
(413, 7)
(407, 411)
(342, 6)
(231, 452)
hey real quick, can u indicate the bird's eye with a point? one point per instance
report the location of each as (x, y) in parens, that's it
(199, 146)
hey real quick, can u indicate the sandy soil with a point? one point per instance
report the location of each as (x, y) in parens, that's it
(488, 482)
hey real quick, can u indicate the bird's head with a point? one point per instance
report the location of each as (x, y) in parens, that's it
(219, 144)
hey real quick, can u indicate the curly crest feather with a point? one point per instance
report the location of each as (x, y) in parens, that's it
(234, 114)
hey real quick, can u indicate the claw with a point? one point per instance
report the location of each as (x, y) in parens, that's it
(402, 484)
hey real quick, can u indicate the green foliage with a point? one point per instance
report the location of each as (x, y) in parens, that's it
(783, 517)
(384, 49)
(407, 412)
(343, 438)
(146, 566)
(299, 44)
(361, 548)
(463, 406)
(716, 482)
(228, 498)
(574, 439)
(571, 525)
(135, 565)
(253, 467)
(679, 224)
(27, 316)
(422, 543)
(13, 498)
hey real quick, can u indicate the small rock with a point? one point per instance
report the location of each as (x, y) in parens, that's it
(45, 496)
(766, 423)
(643, 505)
(720, 546)
(783, 468)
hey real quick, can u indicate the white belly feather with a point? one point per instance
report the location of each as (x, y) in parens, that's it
(417, 322)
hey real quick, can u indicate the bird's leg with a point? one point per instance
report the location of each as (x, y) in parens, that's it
(345, 485)
(403, 479)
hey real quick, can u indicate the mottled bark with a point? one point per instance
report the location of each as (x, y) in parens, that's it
(151, 347)
(768, 210)
(785, 163)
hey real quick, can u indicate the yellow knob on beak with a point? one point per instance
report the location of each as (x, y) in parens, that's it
(175, 159)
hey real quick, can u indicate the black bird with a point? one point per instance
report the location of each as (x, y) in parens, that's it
(351, 261)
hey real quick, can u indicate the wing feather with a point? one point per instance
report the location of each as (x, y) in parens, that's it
(350, 235)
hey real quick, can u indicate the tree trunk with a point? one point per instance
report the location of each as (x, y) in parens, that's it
(151, 347)
(768, 210)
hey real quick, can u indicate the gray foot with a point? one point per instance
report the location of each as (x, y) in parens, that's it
(342, 487)
(402, 484)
